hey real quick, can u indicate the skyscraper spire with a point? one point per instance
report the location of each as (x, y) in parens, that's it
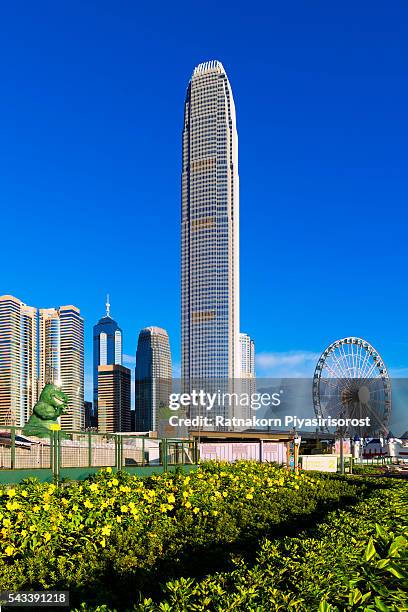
(107, 305)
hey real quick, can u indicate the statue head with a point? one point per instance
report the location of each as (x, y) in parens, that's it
(52, 403)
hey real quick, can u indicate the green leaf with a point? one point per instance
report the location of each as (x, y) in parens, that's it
(370, 551)
(395, 571)
(381, 532)
(381, 605)
(324, 606)
(399, 543)
(383, 563)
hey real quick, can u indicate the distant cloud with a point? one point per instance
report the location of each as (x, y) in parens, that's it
(129, 359)
(290, 364)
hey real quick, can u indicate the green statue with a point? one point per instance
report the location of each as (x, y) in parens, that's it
(53, 402)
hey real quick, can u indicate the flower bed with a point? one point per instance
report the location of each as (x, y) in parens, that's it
(111, 537)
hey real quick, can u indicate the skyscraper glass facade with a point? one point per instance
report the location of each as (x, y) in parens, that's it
(61, 359)
(18, 360)
(210, 228)
(107, 348)
(152, 377)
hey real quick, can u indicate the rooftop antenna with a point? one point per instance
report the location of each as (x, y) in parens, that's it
(107, 305)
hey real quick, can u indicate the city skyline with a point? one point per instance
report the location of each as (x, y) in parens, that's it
(323, 161)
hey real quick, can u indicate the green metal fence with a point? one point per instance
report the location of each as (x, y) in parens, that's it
(77, 454)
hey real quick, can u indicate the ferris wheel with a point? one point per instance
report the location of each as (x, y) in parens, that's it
(351, 382)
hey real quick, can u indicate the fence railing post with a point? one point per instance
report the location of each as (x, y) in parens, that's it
(13, 449)
(120, 452)
(89, 449)
(55, 466)
(143, 452)
(164, 454)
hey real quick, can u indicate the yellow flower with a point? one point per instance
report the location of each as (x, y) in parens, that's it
(249, 496)
(171, 499)
(103, 542)
(196, 510)
(163, 508)
(6, 522)
(47, 536)
(187, 504)
(94, 487)
(88, 504)
(225, 494)
(32, 528)
(115, 482)
(12, 505)
(11, 492)
(124, 509)
(106, 530)
(118, 519)
(24, 493)
(9, 551)
(109, 470)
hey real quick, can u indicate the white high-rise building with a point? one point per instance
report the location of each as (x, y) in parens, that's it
(18, 360)
(210, 228)
(62, 359)
(247, 356)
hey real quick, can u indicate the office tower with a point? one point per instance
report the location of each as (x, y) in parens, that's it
(18, 361)
(210, 228)
(89, 416)
(152, 378)
(107, 348)
(247, 356)
(62, 359)
(210, 232)
(113, 398)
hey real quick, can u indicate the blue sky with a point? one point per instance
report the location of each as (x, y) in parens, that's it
(91, 97)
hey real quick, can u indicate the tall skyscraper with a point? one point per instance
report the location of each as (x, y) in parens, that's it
(38, 347)
(152, 378)
(113, 398)
(62, 359)
(18, 360)
(107, 348)
(210, 228)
